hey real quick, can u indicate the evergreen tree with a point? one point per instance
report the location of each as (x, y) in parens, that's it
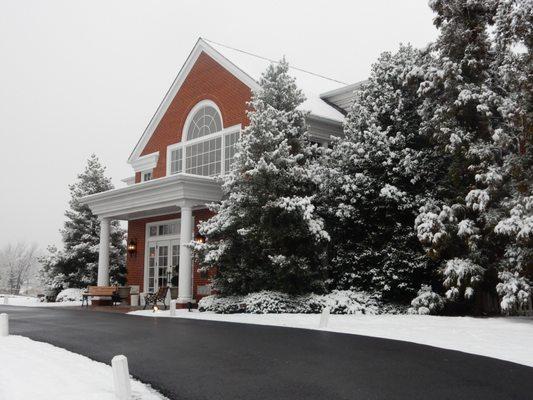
(514, 65)
(266, 234)
(374, 180)
(470, 109)
(77, 264)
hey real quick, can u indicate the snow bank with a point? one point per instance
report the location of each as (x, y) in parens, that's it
(36, 370)
(505, 338)
(27, 301)
(265, 302)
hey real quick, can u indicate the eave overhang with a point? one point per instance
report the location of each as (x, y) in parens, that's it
(156, 197)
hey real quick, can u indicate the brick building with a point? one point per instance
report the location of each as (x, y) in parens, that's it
(189, 140)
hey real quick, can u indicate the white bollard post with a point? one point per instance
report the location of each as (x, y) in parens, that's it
(324, 318)
(6, 299)
(172, 308)
(4, 325)
(121, 377)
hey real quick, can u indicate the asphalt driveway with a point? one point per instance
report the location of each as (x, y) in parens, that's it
(193, 359)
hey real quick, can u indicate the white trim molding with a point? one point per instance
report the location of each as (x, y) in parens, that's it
(156, 197)
(146, 162)
(130, 180)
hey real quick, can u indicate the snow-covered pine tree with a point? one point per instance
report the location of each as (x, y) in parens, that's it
(374, 180)
(514, 64)
(77, 264)
(469, 111)
(265, 233)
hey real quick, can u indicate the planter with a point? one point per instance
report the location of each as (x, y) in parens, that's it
(124, 292)
(134, 300)
(173, 292)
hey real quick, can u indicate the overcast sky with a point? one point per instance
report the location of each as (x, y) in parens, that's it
(85, 77)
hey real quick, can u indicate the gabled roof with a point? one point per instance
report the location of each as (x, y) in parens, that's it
(343, 97)
(247, 68)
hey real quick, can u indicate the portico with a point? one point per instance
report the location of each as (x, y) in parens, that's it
(176, 195)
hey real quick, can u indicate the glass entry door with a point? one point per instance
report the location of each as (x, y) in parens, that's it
(162, 254)
(162, 263)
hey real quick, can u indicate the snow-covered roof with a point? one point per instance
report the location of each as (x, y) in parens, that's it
(313, 85)
(247, 68)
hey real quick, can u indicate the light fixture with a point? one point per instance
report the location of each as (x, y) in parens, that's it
(132, 247)
(199, 238)
(156, 308)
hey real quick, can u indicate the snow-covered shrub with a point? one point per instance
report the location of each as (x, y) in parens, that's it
(71, 294)
(514, 291)
(461, 277)
(350, 302)
(222, 305)
(426, 302)
(265, 302)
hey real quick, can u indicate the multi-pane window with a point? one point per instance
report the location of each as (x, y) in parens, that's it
(207, 157)
(175, 255)
(151, 267)
(176, 160)
(147, 176)
(229, 149)
(204, 122)
(163, 229)
(204, 158)
(207, 148)
(168, 229)
(162, 264)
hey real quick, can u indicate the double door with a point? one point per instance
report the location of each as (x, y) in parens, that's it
(163, 262)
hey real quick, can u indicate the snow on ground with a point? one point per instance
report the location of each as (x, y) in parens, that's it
(36, 370)
(504, 338)
(27, 301)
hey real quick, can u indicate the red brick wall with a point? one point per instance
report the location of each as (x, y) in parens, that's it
(137, 231)
(206, 80)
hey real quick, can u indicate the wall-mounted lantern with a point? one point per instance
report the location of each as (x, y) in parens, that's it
(132, 247)
(199, 238)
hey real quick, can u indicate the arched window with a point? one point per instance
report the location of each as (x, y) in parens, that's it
(205, 120)
(206, 148)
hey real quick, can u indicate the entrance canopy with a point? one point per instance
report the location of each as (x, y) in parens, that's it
(155, 197)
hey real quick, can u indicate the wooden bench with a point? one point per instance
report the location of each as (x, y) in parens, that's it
(160, 295)
(101, 291)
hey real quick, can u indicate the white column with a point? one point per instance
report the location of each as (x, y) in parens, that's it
(103, 256)
(185, 263)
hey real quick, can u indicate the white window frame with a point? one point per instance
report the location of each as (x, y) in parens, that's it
(148, 171)
(194, 110)
(170, 149)
(185, 143)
